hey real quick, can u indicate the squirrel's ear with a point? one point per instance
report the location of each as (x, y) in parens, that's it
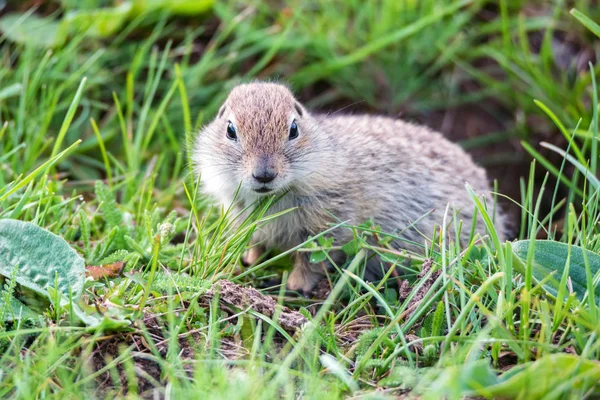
(299, 109)
(221, 111)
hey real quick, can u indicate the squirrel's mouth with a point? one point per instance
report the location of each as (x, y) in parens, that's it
(263, 189)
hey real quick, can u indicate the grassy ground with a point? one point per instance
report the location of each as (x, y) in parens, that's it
(93, 130)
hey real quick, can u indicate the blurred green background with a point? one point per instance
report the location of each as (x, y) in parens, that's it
(100, 100)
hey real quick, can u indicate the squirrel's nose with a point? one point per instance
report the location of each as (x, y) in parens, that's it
(264, 170)
(264, 175)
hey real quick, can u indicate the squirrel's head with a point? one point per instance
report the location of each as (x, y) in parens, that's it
(262, 140)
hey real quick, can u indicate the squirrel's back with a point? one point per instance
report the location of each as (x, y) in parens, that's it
(402, 172)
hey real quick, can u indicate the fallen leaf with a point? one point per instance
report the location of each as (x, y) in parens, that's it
(104, 271)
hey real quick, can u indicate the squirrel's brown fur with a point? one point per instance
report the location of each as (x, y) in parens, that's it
(355, 168)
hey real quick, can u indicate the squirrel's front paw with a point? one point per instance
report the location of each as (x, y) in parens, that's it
(303, 280)
(252, 255)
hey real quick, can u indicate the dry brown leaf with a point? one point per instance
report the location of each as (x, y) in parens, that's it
(104, 271)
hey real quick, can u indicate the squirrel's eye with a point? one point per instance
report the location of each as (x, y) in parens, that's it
(231, 133)
(293, 130)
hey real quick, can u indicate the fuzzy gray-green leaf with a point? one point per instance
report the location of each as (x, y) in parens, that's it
(14, 309)
(40, 256)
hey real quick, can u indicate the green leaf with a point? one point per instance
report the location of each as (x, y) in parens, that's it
(318, 256)
(352, 247)
(41, 257)
(325, 241)
(95, 322)
(534, 380)
(579, 373)
(550, 256)
(461, 380)
(32, 30)
(99, 23)
(16, 310)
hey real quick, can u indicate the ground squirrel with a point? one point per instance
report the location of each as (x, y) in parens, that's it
(353, 167)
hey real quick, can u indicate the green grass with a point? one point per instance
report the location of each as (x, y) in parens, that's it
(93, 139)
